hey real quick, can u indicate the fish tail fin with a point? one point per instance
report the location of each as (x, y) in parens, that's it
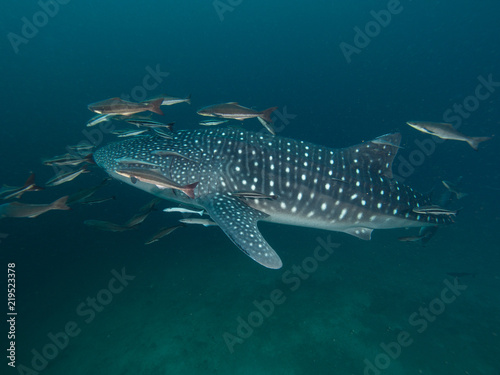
(60, 204)
(189, 189)
(188, 99)
(475, 141)
(154, 106)
(90, 158)
(266, 115)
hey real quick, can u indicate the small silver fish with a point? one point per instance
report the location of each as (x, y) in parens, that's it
(204, 222)
(410, 238)
(61, 178)
(162, 133)
(184, 210)
(147, 123)
(128, 133)
(170, 100)
(82, 146)
(434, 210)
(68, 159)
(212, 122)
(252, 195)
(267, 125)
(162, 233)
(98, 119)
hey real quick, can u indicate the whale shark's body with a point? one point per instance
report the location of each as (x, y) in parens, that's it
(349, 190)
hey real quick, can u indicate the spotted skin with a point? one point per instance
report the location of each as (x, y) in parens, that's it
(349, 190)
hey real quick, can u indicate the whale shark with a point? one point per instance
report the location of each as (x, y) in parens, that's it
(243, 177)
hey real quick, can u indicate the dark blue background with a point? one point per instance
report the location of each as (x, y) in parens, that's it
(261, 54)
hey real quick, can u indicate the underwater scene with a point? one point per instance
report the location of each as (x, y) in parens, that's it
(247, 187)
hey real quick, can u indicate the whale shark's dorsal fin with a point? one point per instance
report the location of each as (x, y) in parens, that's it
(374, 157)
(239, 222)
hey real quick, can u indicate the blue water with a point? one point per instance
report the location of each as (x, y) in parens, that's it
(182, 309)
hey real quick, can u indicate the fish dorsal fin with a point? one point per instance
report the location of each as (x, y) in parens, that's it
(30, 181)
(239, 223)
(374, 157)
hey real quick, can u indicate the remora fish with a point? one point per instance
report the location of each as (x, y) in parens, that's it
(68, 159)
(425, 234)
(453, 188)
(128, 132)
(156, 178)
(147, 123)
(63, 177)
(212, 122)
(162, 233)
(107, 226)
(349, 190)
(17, 192)
(118, 106)
(16, 209)
(235, 111)
(446, 131)
(183, 210)
(252, 195)
(434, 210)
(82, 147)
(193, 220)
(267, 125)
(170, 100)
(98, 201)
(82, 195)
(99, 118)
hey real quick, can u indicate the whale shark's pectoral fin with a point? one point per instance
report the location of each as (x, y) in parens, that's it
(239, 222)
(360, 232)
